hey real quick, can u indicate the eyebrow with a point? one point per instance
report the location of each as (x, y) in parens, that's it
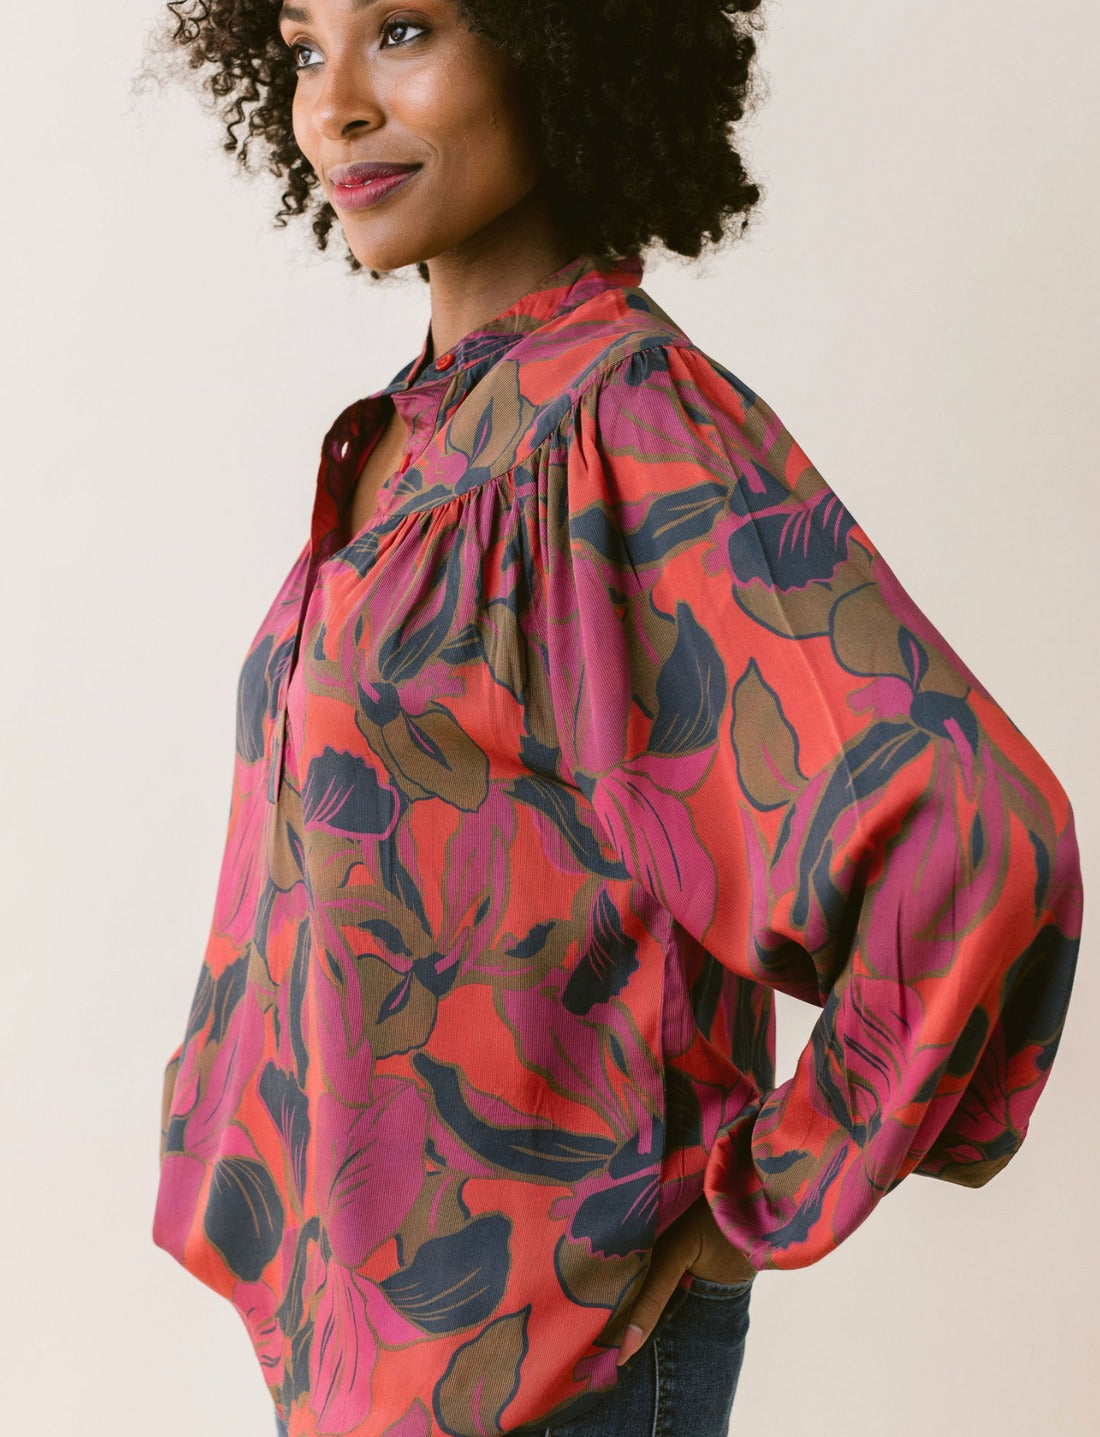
(301, 17)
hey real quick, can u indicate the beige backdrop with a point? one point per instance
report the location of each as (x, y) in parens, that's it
(918, 303)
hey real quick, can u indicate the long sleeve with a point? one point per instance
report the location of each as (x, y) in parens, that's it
(789, 759)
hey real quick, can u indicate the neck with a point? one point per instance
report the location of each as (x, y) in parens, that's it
(489, 272)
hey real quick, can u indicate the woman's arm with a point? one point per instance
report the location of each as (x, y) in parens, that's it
(790, 758)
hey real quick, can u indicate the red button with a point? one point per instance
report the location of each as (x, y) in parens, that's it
(444, 361)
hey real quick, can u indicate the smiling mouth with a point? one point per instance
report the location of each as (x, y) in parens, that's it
(357, 187)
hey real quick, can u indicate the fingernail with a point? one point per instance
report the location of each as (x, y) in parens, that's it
(631, 1342)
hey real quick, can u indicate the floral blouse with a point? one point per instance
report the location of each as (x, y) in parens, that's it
(608, 725)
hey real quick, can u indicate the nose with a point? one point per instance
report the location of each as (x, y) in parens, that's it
(345, 99)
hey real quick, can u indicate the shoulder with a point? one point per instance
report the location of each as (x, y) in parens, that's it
(616, 361)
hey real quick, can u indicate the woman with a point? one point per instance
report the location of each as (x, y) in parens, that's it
(586, 718)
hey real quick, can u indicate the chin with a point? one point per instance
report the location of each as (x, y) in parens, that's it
(386, 257)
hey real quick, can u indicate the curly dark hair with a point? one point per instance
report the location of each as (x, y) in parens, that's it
(633, 103)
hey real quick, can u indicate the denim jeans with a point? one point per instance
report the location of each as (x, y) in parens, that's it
(681, 1382)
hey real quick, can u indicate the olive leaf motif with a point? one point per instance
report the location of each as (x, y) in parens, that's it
(482, 1378)
(765, 743)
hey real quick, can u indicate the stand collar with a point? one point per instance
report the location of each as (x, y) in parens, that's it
(564, 289)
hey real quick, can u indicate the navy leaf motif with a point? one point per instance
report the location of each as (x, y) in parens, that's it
(218, 997)
(244, 1216)
(765, 491)
(258, 693)
(788, 549)
(399, 882)
(202, 1000)
(299, 969)
(798, 1228)
(396, 999)
(784, 833)
(593, 527)
(280, 663)
(559, 806)
(683, 1118)
(483, 432)
(913, 656)
(468, 646)
(540, 1151)
(228, 990)
(291, 1311)
(1035, 994)
(539, 758)
(673, 520)
(404, 652)
(967, 1050)
(363, 549)
(630, 1158)
(534, 943)
(619, 1219)
(342, 793)
(252, 701)
(644, 363)
(297, 1376)
(739, 385)
(977, 840)
(456, 1280)
(437, 972)
(294, 843)
(781, 1162)
(175, 1137)
(289, 1110)
(381, 706)
(388, 934)
(861, 770)
(843, 1097)
(705, 993)
(1042, 867)
(933, 711)
(604, 969)
(691, 690)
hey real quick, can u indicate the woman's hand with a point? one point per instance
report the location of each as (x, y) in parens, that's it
(693, 1243)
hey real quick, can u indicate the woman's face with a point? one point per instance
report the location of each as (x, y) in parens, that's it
(407, 85)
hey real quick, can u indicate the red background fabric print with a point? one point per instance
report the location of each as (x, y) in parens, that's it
(609, 724)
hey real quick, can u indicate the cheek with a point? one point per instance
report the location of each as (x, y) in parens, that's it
(492, 144)
(467, 112)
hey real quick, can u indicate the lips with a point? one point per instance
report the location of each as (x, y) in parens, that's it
(350, 176)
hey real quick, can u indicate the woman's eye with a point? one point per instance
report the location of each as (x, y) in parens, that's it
(391, 25)
(299, 54)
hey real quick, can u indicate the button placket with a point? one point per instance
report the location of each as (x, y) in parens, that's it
(277, 761)
(278, 750)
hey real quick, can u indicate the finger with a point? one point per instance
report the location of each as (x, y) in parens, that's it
(666, 1268)
(719, 1259)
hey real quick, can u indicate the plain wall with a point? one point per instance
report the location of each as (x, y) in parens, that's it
(917, 302)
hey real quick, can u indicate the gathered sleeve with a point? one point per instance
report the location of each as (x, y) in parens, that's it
(789, 759)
